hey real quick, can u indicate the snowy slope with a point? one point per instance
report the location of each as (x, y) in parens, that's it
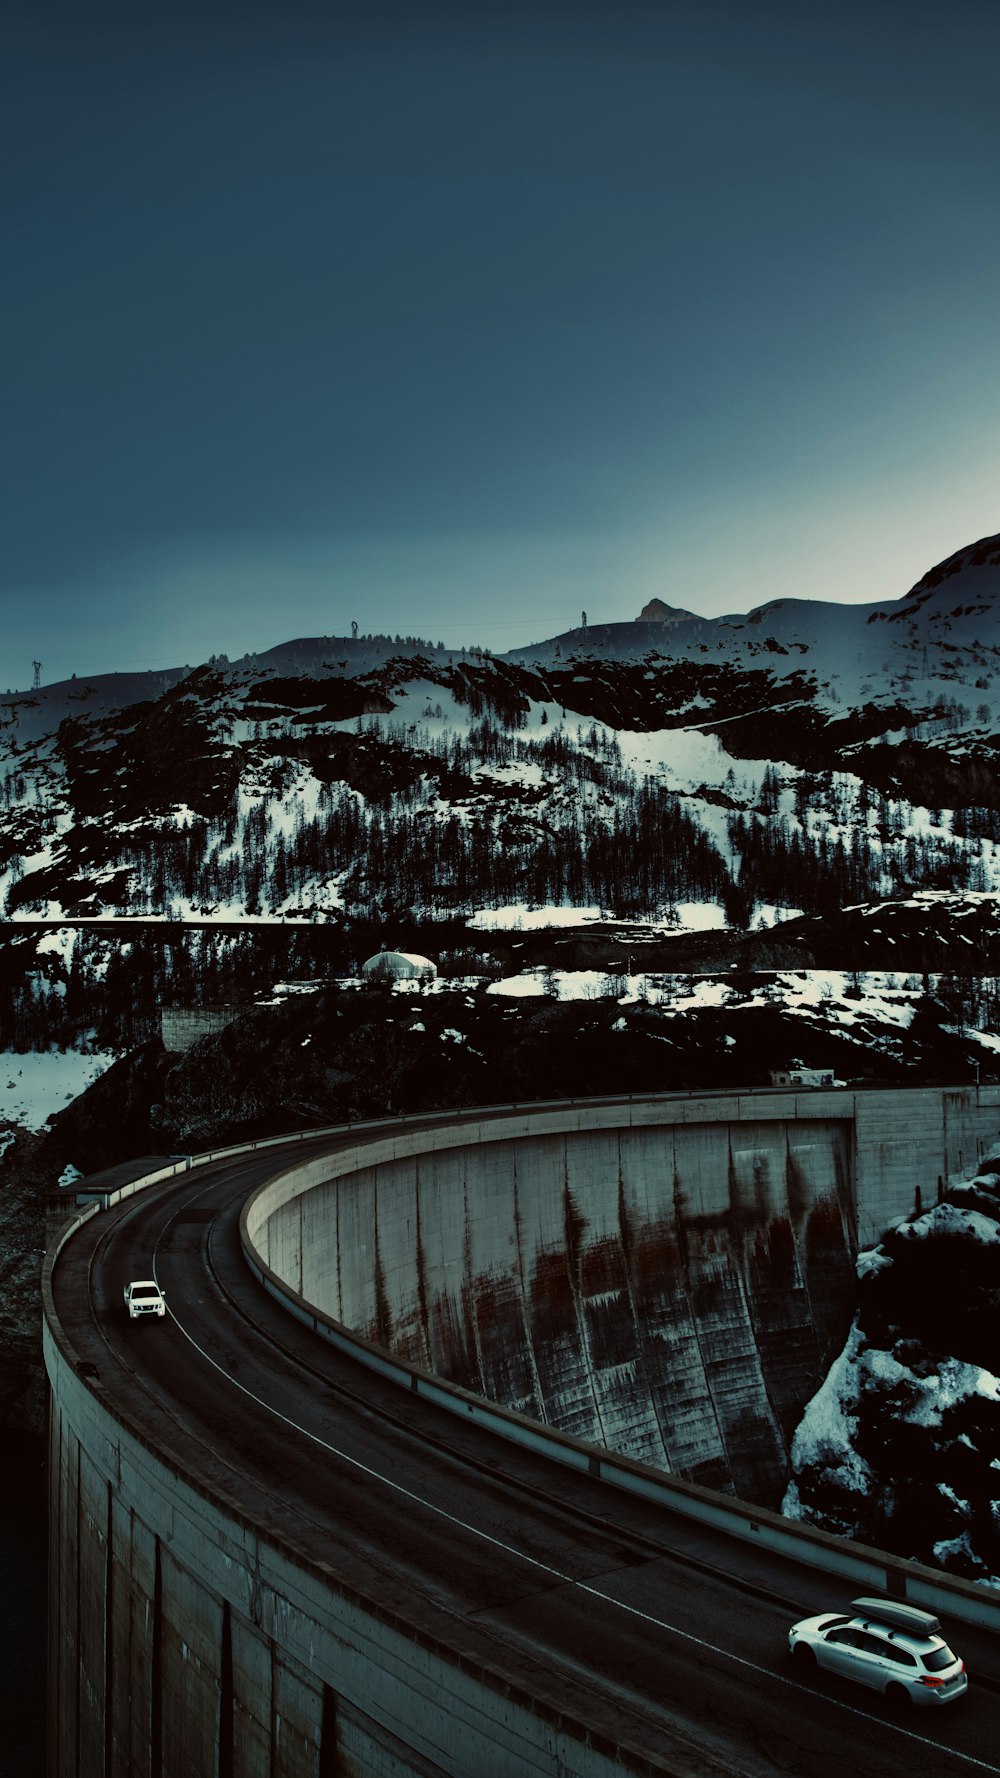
(944, 633)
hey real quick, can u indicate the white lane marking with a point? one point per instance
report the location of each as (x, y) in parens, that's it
(545, 1567)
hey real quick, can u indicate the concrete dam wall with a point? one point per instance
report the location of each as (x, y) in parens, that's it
(670, 1281)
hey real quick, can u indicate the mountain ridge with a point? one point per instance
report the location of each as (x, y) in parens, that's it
(805, 757)
(133, 687)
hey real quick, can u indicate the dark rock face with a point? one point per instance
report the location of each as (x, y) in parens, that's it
(22, 1242)
(899, 1447)
(153, 756)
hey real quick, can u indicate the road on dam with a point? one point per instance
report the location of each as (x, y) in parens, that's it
(662, 1636)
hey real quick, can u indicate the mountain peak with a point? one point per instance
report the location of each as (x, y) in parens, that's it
(984, 554)
(656, 612)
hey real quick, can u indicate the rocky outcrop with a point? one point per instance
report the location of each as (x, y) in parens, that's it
(656, 612)
(898, 1448)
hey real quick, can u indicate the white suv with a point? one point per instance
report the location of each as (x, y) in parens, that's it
(144, 1297)
(895, 1649)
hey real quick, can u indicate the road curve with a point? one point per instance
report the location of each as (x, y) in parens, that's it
(660, 1636)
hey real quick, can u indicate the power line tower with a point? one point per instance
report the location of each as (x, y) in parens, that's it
(38, 673)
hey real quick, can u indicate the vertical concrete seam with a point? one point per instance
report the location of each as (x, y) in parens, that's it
(54, 1639)
(739, 1259)
(526, 1323)
(642, 1363)
(477, 1380)
(381, 1308)
(156, 1669)
(845, 1154)
(77, 1630)
(684, 1249)
(225, 1759)
(128, 1728)
(420, 1261)
(274, 1767)
(339, 1305)
(574, 1231)
(800, 1227)
(300, 1200)
(854, 1162)
(109, 1635)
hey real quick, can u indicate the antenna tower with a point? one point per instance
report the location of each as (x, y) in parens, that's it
(38, 673)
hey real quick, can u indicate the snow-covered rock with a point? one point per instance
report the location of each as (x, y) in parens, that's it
(898, 1447)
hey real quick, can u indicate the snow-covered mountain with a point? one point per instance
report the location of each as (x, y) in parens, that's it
(905, 690)
(943, 631)
(802, 759)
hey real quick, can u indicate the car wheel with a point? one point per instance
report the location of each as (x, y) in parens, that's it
(897, 1696)
(804, 1655)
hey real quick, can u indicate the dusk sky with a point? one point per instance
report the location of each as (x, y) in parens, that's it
(458, 320)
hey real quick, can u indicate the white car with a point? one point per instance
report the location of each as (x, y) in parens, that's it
(144, 1297)
(894, 1649)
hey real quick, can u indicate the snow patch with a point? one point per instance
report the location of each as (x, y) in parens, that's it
(35, 1085)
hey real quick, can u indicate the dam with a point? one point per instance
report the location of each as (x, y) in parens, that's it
(671, 1293)
(672, 1290)
(662, 1277)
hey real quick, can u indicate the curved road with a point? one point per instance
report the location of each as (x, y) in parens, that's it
(663, 1637)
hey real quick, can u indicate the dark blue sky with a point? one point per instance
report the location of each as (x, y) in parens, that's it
(456, 320)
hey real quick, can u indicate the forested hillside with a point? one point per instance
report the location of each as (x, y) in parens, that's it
(472, 788)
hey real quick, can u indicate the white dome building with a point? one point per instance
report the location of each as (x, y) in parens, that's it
(398, 966)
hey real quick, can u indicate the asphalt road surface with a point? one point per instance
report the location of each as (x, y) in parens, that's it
(667, 1638)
